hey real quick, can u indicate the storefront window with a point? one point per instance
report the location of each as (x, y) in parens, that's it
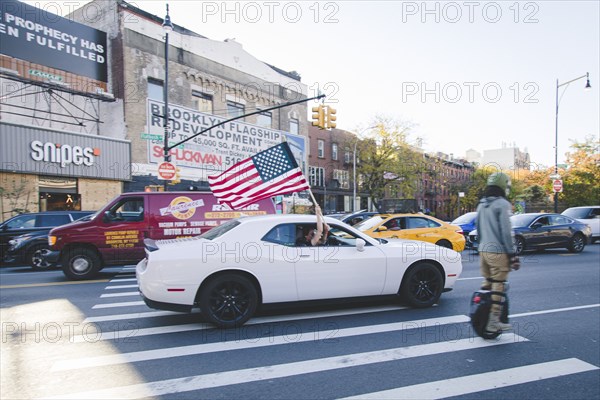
(58, 194)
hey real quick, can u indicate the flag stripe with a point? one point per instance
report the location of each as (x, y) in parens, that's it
(255, 187)
(284, 188)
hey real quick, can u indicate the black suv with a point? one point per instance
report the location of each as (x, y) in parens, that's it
(25, 237)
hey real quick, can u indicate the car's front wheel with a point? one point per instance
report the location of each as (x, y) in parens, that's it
(229, 300)
(80, 263)
(576, 244)
(422, 285)
(35, 259)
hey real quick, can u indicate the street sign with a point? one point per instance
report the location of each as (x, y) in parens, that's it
(158, 138)
(166, 171)
(557, 186)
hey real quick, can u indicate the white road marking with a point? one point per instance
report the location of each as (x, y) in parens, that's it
(486, 381)
(527, 314)
(125, 304)
(121, 287)
(198, 382)
(109, 335)
(120, 294)
(123, 280)
(114, 359)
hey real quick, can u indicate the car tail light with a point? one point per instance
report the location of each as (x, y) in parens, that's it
(460, 231)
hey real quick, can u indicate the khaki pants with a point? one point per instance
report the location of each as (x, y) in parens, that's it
(495, 266)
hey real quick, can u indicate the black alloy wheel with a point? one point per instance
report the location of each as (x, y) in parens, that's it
(519, 245)
(35, 259)
(422, 285)
(228, 301)
(577, 243)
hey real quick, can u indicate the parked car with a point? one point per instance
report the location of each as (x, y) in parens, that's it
(355, 217)
(467, 222)
(534, 231)
(416, 227)
(24, 237)
(229, 283)
(116, 233)
(588, 215)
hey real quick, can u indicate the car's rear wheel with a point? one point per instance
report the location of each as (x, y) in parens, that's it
(444, 243)
(229, 300)
(519, 245)
(80, 263)
(35, 259)
(422, 285)
(577, 243)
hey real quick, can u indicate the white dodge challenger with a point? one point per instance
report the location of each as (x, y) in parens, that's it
(229, 271)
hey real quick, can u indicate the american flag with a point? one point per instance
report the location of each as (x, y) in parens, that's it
(269, 173)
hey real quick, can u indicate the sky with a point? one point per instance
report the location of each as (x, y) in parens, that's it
(464, 74)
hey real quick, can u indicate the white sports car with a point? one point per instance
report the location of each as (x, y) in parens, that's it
(232, 269)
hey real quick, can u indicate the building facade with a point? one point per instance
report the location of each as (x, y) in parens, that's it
(120, 113)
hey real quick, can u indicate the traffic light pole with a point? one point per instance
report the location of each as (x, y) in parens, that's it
(168, 148)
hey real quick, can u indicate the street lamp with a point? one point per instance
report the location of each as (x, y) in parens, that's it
(354, 167)
(167, 27)
(558, 85)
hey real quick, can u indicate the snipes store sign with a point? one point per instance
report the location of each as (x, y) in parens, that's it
(36, 35)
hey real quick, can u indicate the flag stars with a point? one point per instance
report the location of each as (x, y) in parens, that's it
(272, 163)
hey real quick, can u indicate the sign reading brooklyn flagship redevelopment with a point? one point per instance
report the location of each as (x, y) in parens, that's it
(214, 151)
(32, 34)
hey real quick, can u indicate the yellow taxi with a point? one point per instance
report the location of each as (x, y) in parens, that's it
(414, 227)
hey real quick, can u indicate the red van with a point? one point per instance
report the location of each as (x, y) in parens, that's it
(115, 234)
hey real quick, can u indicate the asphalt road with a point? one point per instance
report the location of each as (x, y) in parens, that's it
(96, 339)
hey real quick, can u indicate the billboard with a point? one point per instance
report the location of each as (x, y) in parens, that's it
(31, 34)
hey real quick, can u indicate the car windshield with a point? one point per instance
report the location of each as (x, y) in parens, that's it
(521, 219)
(465, 219)
(577, 213)
(338, 216)
(219, 230)
(369, 223)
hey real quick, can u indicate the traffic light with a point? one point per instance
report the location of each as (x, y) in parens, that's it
(177, 178)
(318, 116)
(331, 117)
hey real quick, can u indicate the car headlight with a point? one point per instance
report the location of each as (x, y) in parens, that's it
(51, 240)
(17, 241)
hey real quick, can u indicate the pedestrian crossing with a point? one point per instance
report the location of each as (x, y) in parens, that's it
(304, 355)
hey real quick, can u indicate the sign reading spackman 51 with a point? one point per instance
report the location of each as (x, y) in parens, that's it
(35, 35)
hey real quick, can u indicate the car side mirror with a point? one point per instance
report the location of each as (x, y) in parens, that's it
(360, 244)
(382, 228)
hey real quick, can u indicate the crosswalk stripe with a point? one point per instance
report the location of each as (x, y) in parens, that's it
(120, 294)
(226, 378)
(120, 317)
(110, 335)
(295, 337)
(116, 279)
(124, 304)
(485, 381)
(527, 314)
(120, 287)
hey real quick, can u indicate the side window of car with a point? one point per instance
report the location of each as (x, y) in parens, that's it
(543, 221)
(414, 223)
(559, 220)
(284, 234)
(24, 221)
(595, 213)
(129, 210)
(50, 220)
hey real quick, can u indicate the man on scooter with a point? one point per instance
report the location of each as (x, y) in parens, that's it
(496, 248)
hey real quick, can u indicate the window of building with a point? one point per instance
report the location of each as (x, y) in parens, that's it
(321, 148)
(343, 177)
(294, 126)
(235, 109)
(155, 89)
(316, 176)
(202, 102)
(347, 155)
(334, 151)
(264, 119)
